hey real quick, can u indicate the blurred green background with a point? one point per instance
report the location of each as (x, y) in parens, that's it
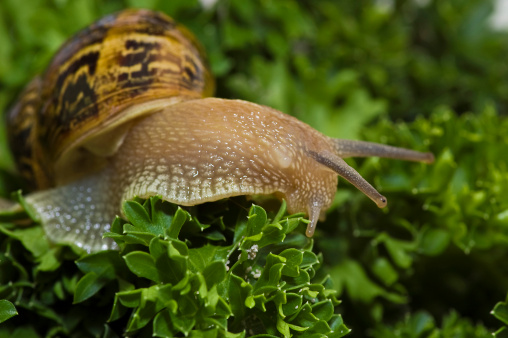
(429, 75)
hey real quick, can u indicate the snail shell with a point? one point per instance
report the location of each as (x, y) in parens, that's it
(122, 67)
(161, 137)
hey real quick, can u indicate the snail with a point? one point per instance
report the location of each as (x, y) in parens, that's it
(124, 110)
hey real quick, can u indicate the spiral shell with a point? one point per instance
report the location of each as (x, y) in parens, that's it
(134, 58)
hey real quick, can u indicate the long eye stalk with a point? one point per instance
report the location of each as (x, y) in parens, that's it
(338, 165)
(353, 148)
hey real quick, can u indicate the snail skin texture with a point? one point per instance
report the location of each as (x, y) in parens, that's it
(175, 143)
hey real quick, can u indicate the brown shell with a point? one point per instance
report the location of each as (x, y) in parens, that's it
(125, 59)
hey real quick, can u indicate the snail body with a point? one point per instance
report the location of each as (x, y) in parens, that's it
(163, 137)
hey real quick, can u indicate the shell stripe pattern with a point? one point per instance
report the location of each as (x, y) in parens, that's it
(22, 134)
(122, 60)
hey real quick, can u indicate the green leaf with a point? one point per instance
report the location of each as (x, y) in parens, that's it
(201, 257)
(18, 197)
(292, 305)
(118, 310)
(131, 298)
(256, 220)
(33, 239)
(501, 333)
(215, 235)
(281, 212)
(323, 310)
(351, 275)
(117, 226)
(309, 259)
(420, 323)
(238, 291)
(214, 273)
(7, 310)
(159, 252)
(398, 250)
(270, 276)
(136, 236)
(305, 317)
(500, 311)
(178, 256)
(49, 261)
(142, 265)
(138, 216)
(162, 325)
(88, 286)
(105, 263)
(434, 241)
(385, 271)
(293, 258)
(181, 216)
(162, 212)
(283, 327)
(338, 327)
(183, 324)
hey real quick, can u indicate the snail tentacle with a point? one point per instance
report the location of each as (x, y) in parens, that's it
(338, 165)
(353, 148)
(314, 215)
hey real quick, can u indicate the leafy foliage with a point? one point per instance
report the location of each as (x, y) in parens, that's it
(441, 245)
(501, 311)
(421, 324)
(431, 264)
(258, 280)
(7, 310)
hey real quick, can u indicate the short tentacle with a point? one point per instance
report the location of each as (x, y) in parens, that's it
(314, 212)
(353, 148)
(338, 165)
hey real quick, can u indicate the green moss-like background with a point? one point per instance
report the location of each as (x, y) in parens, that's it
(429, 75)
